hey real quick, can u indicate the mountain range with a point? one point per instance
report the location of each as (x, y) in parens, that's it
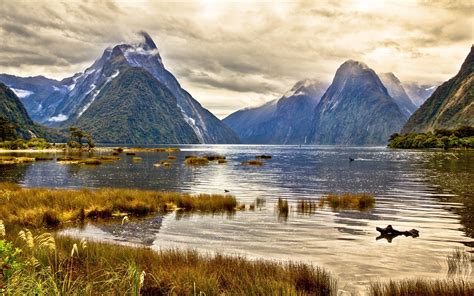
(128, 96)
(283, 121)
(358, 108)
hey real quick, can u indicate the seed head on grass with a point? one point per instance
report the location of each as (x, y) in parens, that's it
(2, 229)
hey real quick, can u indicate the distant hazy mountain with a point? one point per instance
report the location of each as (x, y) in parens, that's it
(73, 96)
(450, 106)
(397, 92)
(418, 93)
(356, 109)
(121, 114)
(283, 121)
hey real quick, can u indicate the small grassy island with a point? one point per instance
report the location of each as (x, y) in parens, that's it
(462, 137)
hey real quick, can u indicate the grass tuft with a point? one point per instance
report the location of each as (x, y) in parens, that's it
(283, 208)
(458, 262)
(196, 161)
(306, 206)
(348, 201)
(252, 162)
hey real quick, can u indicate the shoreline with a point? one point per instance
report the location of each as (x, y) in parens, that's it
(55, 150)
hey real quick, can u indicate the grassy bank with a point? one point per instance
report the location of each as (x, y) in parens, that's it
(419, 287)
(47, 265)
(36, 207)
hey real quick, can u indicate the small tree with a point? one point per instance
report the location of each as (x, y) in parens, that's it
(76, 137)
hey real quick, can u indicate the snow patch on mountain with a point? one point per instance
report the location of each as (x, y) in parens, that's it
(61, 117)
(21, 93)
(192, 123)
(97, 92)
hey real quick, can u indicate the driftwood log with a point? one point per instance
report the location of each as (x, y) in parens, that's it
(390, 233)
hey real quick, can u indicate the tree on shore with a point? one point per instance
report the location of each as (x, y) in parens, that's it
(76, 139)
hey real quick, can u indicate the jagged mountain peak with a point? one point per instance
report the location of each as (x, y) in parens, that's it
(146, 48)
(356, 109)
(356, 74)
(354, 64)
(148, 42)
(308, 87)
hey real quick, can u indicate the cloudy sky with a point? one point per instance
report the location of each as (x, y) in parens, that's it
(232, 54)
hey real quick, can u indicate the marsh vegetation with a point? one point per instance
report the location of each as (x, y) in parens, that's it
(37, 207)
(348, 201)
(48, 264)
(420, 287)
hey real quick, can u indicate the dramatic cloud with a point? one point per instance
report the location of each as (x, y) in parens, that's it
(231, 54)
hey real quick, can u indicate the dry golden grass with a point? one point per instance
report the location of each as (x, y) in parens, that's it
(87, 161)
(196, 161)
(348, 201)
(420, 287)
(141, 149)
(51, 207)
(16, 160)
(50, 264)
(65, 266)
(252, 162)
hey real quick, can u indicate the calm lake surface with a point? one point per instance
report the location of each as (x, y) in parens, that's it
(431, 191)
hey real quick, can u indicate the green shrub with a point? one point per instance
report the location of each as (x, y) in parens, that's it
(462, 137)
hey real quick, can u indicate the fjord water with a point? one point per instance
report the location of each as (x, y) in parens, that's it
(427, 190)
